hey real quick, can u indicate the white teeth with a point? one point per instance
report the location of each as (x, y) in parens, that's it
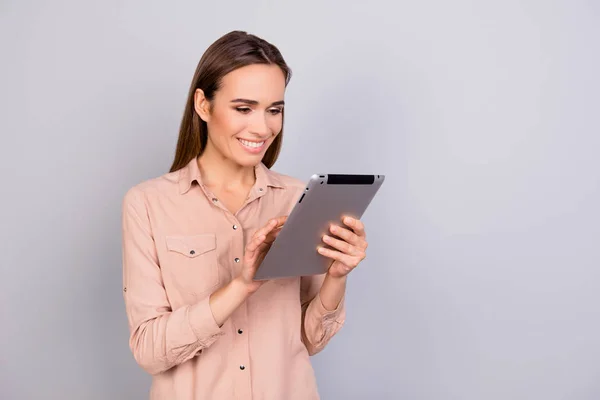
(251, 144)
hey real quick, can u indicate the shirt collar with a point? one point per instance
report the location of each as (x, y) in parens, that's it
(191, 172)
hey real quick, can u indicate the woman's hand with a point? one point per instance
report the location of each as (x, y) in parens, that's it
(349, 250)
(256, 250)
(225, 300)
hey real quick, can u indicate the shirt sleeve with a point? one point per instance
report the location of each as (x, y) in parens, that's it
(319, 325)
(160, 337)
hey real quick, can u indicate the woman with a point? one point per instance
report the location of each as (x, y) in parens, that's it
(194, 237)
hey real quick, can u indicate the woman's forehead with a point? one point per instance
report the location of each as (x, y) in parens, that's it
(259, 82)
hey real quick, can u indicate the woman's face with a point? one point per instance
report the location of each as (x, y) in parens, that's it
(246, 113)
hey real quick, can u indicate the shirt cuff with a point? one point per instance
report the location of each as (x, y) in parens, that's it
(202, 322)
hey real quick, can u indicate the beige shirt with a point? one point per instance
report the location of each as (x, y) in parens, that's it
(180, 244)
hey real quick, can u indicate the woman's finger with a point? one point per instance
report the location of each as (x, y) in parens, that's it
(356, 225)
(269, 240)
(350, 261)
(266, 229)
(272, 235)
(348, 236)
(253, 246)
(342, 246)
(274, 223)
(273, 231)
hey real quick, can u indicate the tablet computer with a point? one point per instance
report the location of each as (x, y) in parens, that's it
(325, 200)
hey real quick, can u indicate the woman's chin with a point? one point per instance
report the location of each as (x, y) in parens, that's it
(249, 160)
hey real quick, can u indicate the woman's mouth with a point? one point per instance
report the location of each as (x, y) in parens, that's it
(252, 147)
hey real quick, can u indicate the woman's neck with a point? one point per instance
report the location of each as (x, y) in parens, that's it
(221, 173)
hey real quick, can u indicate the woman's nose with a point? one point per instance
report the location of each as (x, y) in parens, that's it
(259, 125)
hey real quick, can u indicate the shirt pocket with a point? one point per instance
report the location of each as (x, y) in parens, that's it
(193, 261)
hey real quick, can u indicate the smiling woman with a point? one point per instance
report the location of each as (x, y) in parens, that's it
(194, 238)
(247, 67)
(243, 128)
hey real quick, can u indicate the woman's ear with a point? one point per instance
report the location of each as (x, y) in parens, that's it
(202, 105)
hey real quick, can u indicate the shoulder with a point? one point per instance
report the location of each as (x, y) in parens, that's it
(291, 182)
(161, 186)
(288, 182)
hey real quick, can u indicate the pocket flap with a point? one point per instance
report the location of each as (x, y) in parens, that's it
(192, 246)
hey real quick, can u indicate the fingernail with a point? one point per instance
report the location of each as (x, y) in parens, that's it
(326, 238)
(349, 220)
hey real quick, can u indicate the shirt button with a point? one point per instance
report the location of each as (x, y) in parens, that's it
(240, 331)
(234, 227)
(242, 367)
(236, 260)
(260, 189)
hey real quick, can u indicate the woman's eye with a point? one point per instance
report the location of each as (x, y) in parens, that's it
(275, 111)
(243, 110)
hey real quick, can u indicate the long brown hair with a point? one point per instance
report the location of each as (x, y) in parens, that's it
(234, 50)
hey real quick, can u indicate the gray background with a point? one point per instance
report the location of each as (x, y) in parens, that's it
(482, 275)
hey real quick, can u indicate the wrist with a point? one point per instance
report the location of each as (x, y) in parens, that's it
(334, 278)
(241, 287)
(332, 291)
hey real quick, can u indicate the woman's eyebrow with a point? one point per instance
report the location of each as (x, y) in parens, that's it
(254, 102)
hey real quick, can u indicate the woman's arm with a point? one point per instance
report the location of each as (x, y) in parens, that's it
(226, 300)
(323, 305)
(332, 291)
(320, 324)
(161, 337)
